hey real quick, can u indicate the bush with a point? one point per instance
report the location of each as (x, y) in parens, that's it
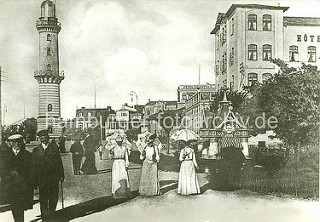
(295, 177)
(272, 160)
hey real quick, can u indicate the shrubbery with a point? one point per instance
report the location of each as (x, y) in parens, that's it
(298, 177)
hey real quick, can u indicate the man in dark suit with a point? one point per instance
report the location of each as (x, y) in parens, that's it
(15, 172)
(90, 146)
(77, 154)
(46, 172)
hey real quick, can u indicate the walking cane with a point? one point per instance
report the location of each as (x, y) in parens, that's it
(62, 201)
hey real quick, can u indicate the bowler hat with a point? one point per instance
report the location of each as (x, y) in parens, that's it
(43, 133)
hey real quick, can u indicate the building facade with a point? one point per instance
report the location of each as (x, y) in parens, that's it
(185, 92)
(124, 119)
(88, 117)
(196, 109)
(247, 36)
(48, 75)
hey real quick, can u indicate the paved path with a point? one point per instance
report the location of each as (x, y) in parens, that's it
(208, 207)
(87, 198)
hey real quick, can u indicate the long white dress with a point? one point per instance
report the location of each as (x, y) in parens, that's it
(149, 182)
(120, 180)
(188, 181)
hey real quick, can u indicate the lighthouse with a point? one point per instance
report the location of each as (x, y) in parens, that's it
(48, 75)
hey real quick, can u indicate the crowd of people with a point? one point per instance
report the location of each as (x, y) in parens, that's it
(21, 171)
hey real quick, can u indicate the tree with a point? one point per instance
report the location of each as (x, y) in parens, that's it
(237, 99)
(292, 96)
(29, 129)
(132, 134)
(169, 119)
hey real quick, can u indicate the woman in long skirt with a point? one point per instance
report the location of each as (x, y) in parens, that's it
(188, 181)
(120, 180)
(149, 182)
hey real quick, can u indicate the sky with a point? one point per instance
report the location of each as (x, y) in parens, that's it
(149, 47)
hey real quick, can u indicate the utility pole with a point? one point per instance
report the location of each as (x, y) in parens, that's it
(0, 109)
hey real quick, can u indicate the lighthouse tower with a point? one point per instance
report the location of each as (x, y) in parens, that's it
(48, 75)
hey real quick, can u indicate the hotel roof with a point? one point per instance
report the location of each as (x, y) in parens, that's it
(301, 21)
(233, 7)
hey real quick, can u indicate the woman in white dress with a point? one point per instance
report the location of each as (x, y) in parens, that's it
(149, 182)
(120, 182)
(188, 181)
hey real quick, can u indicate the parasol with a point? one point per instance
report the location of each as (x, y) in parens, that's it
(184, 135)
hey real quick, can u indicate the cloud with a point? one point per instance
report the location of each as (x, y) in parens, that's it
(123, 47)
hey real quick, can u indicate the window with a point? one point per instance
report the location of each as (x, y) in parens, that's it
(232, 82)
(217, 67)
(49, 107)
(266, 22)
(266, 52)
(223, 36)
(252, 79)
(224, 63)
(232, 56)
(48, 67)
(48, 37)
(252, 52)
(252, 22)
(48, 51)
(42, 11)
(266, 76)
(80, 114)
(184, 96)
(232, 26)
(311, 54)
(293, 53)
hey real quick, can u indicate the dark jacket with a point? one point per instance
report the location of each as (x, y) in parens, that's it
(76, 147)
(46, 165)
(90, 145)
(16, 182)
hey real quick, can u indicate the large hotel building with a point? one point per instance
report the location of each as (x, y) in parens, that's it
(248, 35)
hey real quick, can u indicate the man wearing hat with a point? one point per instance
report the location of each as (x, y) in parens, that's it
(90, 146)
(15, 173)
(46, 172)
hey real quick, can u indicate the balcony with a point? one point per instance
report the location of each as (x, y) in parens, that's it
(48, 23)
(39, 73)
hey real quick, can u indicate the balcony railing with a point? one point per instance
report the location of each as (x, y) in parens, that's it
(41, 22)
(47, 73)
